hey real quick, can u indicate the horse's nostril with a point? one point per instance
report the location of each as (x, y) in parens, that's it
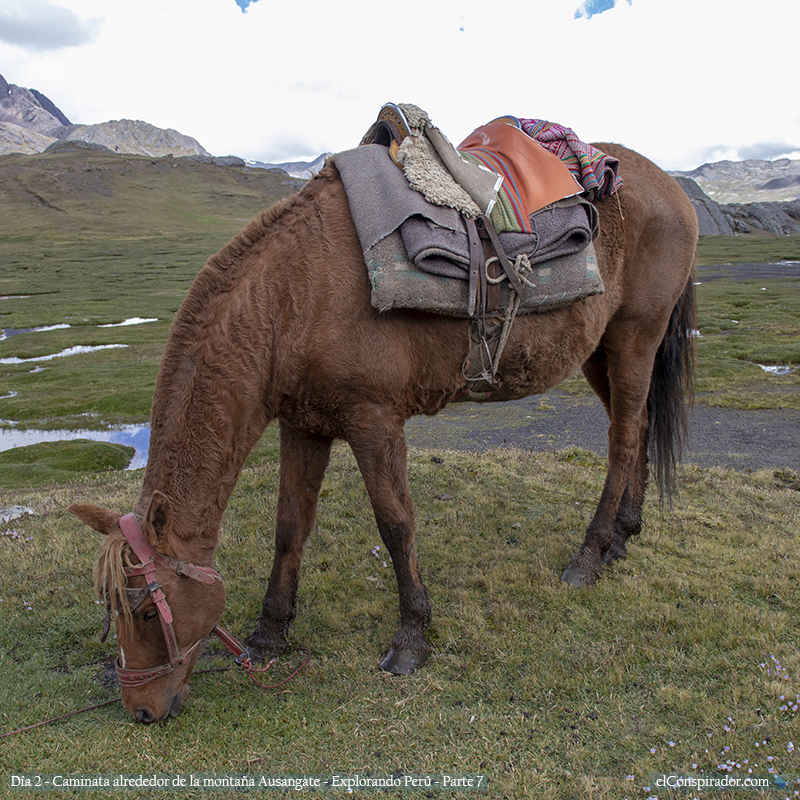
(144, 715)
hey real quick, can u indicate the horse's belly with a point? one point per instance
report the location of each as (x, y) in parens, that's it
(546, 349)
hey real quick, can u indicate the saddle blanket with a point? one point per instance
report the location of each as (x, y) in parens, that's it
(596, 171)
(417, 253)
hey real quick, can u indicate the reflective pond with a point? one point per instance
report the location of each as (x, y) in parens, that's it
(136, 436)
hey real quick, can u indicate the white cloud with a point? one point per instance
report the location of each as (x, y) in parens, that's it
(287, 81)
(41, 25)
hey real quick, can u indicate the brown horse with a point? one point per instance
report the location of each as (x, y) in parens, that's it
(279, 324)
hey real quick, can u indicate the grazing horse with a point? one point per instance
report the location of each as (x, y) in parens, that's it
(279, 324)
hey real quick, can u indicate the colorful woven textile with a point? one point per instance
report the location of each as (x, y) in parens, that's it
(595, 171)
(508, 212)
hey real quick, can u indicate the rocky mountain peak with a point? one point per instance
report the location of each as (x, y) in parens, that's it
(748, 181)
(30, 123)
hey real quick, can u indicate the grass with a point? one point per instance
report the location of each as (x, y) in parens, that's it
(78, 194)
(747, 249)
(669, 664)
(90, 283)
(745, 324)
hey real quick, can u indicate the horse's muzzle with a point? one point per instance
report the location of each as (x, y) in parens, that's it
(146, 715)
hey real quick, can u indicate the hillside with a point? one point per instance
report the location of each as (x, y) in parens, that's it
(78, 190)
(750, 181)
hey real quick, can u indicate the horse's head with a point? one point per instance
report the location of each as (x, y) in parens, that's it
(163, 605)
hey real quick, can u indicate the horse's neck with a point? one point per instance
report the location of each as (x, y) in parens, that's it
(208, 408)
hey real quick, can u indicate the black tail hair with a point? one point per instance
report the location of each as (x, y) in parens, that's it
(671, 386)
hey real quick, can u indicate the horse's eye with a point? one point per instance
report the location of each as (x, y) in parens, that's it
(150, 614)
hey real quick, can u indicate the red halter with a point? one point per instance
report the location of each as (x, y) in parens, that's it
(149, 558)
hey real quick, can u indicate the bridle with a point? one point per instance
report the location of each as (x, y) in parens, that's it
(135, 537)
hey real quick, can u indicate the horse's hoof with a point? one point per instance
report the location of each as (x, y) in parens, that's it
(578, 576)
(402, 662)
(258, 650)
(614, 554)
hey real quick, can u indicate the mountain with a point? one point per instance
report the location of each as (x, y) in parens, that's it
(730, 196)
(30, 122)
(135, 137)
(297, 169)
(750, 181)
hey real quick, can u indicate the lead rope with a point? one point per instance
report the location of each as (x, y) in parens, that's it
(242, 660)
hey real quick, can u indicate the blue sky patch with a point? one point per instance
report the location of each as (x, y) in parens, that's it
(244, 3)
(589, 8)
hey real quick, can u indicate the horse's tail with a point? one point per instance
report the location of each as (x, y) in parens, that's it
(671, 386)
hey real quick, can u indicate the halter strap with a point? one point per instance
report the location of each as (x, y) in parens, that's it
(135, 537)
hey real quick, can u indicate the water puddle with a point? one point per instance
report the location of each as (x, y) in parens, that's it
(136, 436)
(778, 369)
(131, 321)
(70, 351)
(7, 333)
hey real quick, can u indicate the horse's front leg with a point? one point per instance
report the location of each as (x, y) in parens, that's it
(380, 449)
(304, 458)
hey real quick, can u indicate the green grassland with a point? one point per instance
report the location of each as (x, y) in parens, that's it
(683, 658)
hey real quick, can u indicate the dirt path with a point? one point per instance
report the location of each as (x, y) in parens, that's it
(746, 440)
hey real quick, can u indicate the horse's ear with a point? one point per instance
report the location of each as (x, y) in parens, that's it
(158, 519)
(100, 519)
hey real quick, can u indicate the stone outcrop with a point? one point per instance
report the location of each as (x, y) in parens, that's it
(729, 219)
(18, 139)
(29, 109)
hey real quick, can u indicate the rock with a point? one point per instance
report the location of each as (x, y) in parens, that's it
(15, 512)
(29, 109)
(18, 139)
(711, 220)
(715, 219)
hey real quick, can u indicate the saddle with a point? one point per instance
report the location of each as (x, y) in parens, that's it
(487, 258)
(497, 168)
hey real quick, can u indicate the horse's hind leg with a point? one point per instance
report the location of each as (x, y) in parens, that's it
(380, 449)
(304, 459)
(629, 350)
(628, 521)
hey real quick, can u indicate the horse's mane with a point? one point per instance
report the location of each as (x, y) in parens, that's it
(260, 226)
(223, 269)
(109, 575)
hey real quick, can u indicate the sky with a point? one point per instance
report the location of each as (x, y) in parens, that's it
(684, 82)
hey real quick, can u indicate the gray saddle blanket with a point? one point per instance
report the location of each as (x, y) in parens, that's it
(417, 253)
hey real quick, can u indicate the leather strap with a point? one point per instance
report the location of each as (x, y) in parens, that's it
(476, 266)
(135, 537)
(513, 278)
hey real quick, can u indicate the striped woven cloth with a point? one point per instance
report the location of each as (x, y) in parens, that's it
(594, 170)
(508, 212)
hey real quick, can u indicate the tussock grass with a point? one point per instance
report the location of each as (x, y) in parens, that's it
(744, 324)
(670, 659)
(756, 249)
